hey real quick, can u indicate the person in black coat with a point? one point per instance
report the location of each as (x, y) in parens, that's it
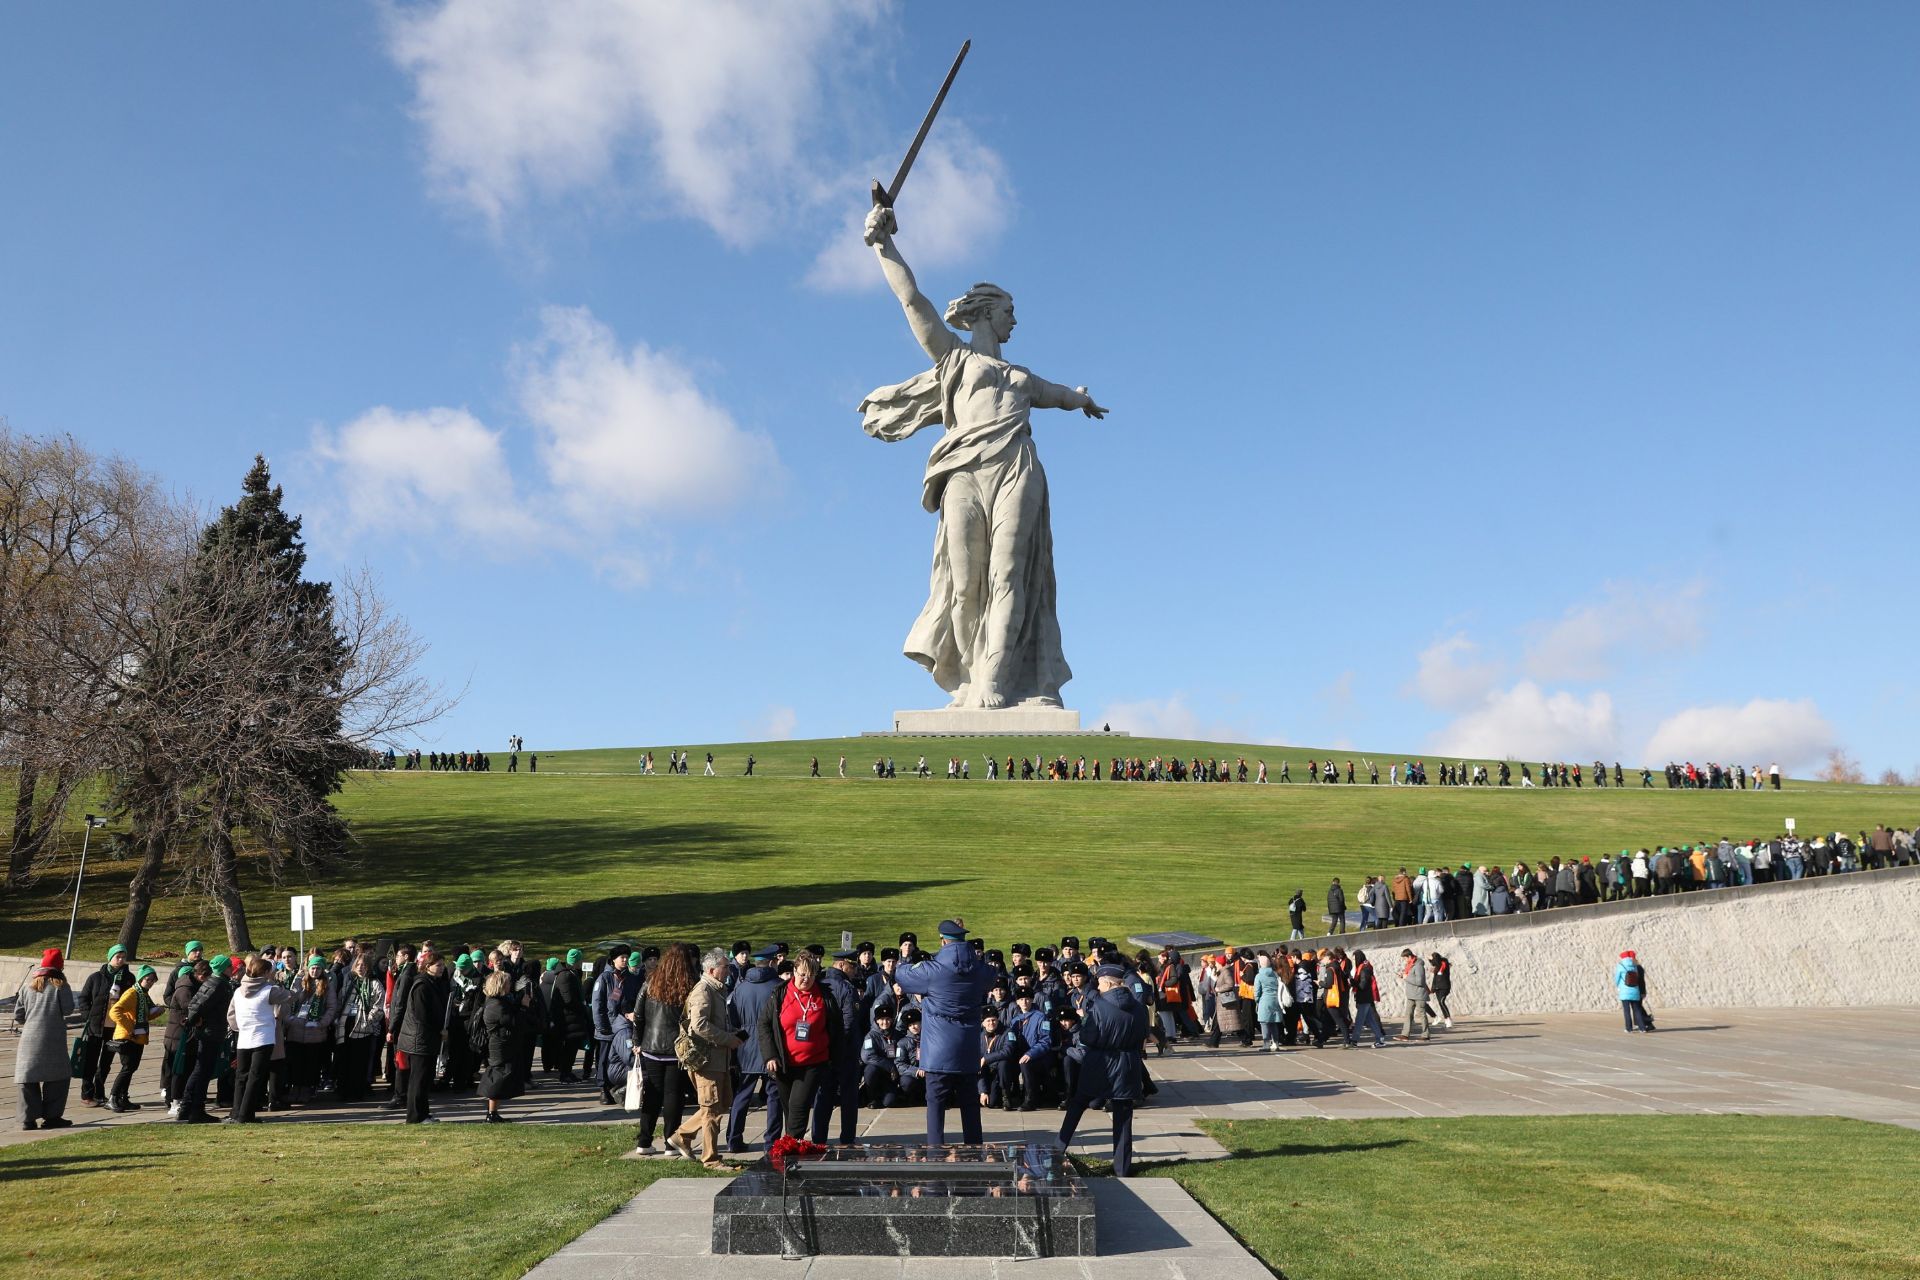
(1000, 1051)
(421, 1023)
(1113, 1034)
(97, 994)
(796, 1031)
(569, 1019)
(499, 1074)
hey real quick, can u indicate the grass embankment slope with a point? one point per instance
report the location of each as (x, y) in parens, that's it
(586, 850)
(1570, 1197)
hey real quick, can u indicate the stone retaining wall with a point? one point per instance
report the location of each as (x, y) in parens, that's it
(1849, 940)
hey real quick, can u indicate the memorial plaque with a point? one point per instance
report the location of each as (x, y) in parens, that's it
(999, 1199)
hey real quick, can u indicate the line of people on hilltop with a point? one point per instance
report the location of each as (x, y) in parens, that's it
(1437, 894)
(1716, 777)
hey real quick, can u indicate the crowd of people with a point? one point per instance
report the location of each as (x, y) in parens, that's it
(693, 1044)
(1430, 895)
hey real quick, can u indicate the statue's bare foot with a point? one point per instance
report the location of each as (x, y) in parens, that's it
(991, 698)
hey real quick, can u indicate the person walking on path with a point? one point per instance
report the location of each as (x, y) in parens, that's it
(1337, 907)
(797, 1030)
(42, 1063)
(1266, 1002)
(1630, 986)
(1413, 982)
(1113, 1032)
(1440, 976)
(1366, 998)
(1297, 915)
(206, 1024)
(712, 1043)
(952, 985)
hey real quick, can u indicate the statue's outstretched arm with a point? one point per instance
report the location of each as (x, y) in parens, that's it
(1051, 395)
(928, 329)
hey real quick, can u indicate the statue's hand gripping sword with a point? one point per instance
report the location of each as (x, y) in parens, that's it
(885, 196)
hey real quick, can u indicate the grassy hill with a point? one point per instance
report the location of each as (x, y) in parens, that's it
(586, 849)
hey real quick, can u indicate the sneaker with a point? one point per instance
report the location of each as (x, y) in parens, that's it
(1449, 1023)
(678, 1148)
(173, 1111)
(61, 1123)
(429, 1119)
(646, 1149)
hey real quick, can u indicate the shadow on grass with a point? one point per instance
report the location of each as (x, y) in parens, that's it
(104, 1162)
(1236, 1151)
(693, 914)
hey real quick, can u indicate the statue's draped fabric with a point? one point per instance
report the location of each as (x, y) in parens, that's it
(990, 612)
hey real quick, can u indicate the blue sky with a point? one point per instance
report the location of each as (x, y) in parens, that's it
(1502, 378)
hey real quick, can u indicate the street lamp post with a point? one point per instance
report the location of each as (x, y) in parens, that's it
(93, 823)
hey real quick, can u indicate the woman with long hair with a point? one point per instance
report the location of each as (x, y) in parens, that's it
(499, 1075)
(255, 1016)
(42, 1066)
(363, 1023)
(316, 1006)
(657, 1017)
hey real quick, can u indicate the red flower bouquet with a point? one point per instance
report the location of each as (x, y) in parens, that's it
(787, 1150)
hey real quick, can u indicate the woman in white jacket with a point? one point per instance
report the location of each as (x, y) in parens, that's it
(255, 1016)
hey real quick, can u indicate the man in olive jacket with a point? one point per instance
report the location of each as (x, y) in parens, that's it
(714, 1037)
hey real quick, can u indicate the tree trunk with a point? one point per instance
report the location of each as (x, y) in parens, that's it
(140, 889)
(226, 886)
(20, 857)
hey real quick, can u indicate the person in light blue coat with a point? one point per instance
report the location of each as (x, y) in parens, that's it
(1630, 985)
(1266, 1003)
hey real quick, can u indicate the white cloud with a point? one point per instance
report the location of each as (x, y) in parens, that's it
(624, 438)
(626, 434)
(1529, 723)
(714, 101)
(1627, 621)
(1452, 675)
(778, 724)
(1765, 730)
(1173, 717)
(416, 471)
(957, 199)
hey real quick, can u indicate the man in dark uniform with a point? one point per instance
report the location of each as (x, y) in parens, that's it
(1112, 1034)
(1035, 1059)
(742, 953)
(954, 986)
(880, 984)
(1069, 951)
(754, 991)
(879, 1062)
(909, 948)
(841, 1088)
(906, 1059)
(1000, 1051)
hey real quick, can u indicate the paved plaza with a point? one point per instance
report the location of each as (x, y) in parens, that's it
(1843, 1062)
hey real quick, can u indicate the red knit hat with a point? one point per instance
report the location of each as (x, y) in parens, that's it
(51, 958)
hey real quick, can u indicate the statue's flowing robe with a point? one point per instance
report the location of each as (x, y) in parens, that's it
(984, 403)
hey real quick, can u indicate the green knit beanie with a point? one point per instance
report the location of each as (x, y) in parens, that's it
(146, 971)
(553, 962)
(573, 955)
(114, 950)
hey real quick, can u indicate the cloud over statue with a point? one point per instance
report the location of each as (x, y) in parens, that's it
(990, 632)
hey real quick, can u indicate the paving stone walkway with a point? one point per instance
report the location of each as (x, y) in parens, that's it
(1844, 1062)
(1150, 1229)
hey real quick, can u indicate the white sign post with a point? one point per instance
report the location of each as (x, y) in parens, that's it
(302, 921)
(1789, 826)
(846, 939)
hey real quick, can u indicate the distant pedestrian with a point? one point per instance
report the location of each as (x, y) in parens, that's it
(1630, 986)
(1337, 905)
(1440, 981)
(1413, 983)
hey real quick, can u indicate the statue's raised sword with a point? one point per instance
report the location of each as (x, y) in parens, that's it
(887, 195)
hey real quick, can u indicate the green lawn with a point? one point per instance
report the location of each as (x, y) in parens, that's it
(1574, 1197)
(585, 850)
(333, 1200)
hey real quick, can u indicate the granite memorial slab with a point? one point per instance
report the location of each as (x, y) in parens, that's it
(998, 1199)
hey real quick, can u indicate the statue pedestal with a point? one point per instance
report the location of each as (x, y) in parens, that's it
(973, 722)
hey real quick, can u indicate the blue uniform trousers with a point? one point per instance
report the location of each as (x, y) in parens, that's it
(839, 1088)
(1122, 1115)
(763, 1086)
(956, 1089)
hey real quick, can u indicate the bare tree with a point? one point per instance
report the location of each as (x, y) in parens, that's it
(1840, 767)
(1892, 778)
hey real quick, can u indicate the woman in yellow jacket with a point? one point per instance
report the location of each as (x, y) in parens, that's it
(129, 1017)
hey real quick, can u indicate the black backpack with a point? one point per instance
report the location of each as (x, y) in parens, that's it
(475, 1020)
(1632, 979)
